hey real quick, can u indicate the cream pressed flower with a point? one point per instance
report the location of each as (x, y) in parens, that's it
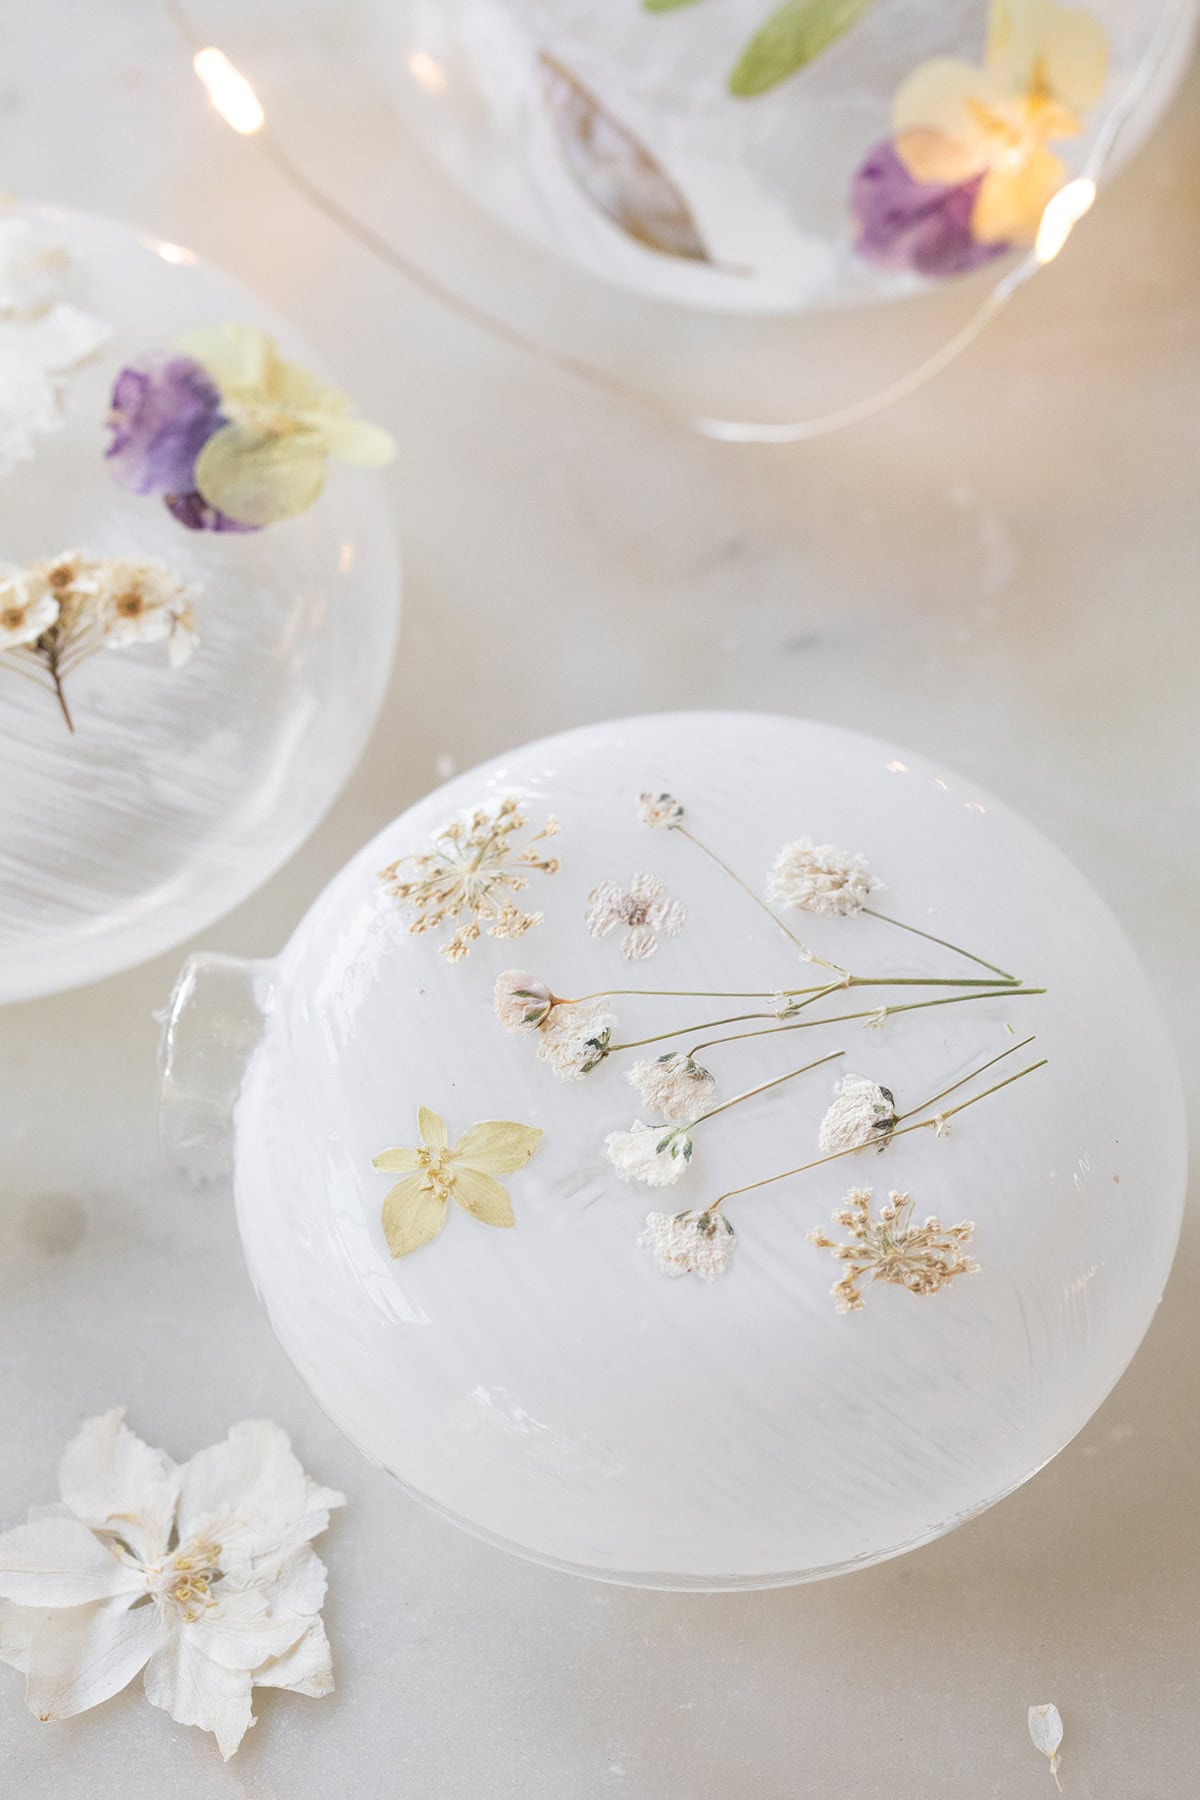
(42, 338)
(641, 909)
(689, 1243)
(141, 602)
(200, 1574)
(890, 1248)
(819, 878)
(27, 608)
(861, 1113)
(655, 1155)
(662, 811)
(469, 877)
(674, 1086)
(521, 1003)
(414, 1210)
(1046, 1732)
(575, 1036)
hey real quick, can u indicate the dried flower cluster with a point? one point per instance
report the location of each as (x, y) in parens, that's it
(55, 614)
(689, 1243)
(819, 878)
(574, 1039)
(42, 336)
(661, 811)
(642, 910)
(890, 1248)
(470, 876)
(862, 1113)
(655, 1155)
(674, 1086)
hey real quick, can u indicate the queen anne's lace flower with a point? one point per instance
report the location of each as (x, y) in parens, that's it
(674, 1086)
(689, 1243)
(655, 1155)
(819, 878)
(890, 1248)
(201, 1575)
(862, 1113)
(662, 811)
(641, 908)
(521, 1002)
(574, 1038)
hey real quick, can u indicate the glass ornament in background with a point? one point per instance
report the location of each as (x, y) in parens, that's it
(547, 1386)
(173, 792)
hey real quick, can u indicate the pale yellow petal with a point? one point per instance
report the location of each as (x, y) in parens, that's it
(396, 1162)
(482, 1197)
(1010, 203)
(412, 1215)
(298, 390)
(1064, 47)
(258, 477)
(432, 1127)
(497, 1146)
(354, 441)
(948, 96)
(238, 357)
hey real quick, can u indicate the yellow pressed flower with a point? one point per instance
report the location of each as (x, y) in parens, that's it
(268, 462)
(414, 1211)
(1044, 66)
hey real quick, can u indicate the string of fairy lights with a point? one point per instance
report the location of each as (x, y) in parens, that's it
(234, 98)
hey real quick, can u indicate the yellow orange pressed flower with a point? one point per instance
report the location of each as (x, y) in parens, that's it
(1044, 66)
(414, 1210)
(268, 462)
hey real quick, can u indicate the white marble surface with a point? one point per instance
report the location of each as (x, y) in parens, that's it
(1003, 572)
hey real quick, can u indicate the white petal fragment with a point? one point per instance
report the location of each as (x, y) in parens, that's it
(58, 1562)
(1046, 1731)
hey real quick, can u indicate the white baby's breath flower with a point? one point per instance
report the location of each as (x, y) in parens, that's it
(574, 1038)
(27, 608)
(142, 601)
(200, 1574)
(520, 1000)
(861, 1113)
(662, 811)
(819, 878)
(689, 1243)
(655, 1155)
(642, 909)
(674, 1086)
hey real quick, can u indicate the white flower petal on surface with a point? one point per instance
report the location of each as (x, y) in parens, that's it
(820, 878)
(35, 356)
(58, 1562)
(861, 1113)
(18, 1627)
(251, 1493)
(197, 1691)
(1046, 1731)
(636, 1156)
(307, 1668)
(114, 1482)
(83, 1655)
(241, 1629)
(675, 1086)
(689, 1243)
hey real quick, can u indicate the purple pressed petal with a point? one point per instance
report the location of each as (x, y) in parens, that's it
(194, 511)
(163, 413)
(907, 224)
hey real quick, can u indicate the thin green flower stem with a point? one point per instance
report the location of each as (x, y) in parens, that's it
(758, 900)
(815, 993)
(869, 1013)
(944, 942)
(835, 1155)
(764, 1087)
(955, 1085)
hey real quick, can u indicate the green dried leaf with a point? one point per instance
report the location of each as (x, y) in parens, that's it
(657, 6)
(792, 37)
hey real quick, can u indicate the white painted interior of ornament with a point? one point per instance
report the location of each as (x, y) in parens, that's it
(180, 790)
(551, 1390)
(767, 179)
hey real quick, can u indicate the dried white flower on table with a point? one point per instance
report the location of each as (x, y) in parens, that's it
(675, 1086)
(890, 1248)
(522, 1003)
(652, 1154)
(689, 1243)
(1046, 1730)
(41, 337)
(662, 811)
(201, 1574)
(819, 878)
(641, 908)
(574, 1038)
(862, 1113)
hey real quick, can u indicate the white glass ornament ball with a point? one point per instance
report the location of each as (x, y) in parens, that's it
(548, 1387)
(180, 790)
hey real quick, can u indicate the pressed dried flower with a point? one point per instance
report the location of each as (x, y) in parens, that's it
(861, 1113)
(662, 811)
(643, 911)
(42, 336)
(143, 601)
(689, 1243)
(470, 876)
(819, 878)
(414, 1210)
(202, 1574)
(655, 1155)
(890, 1248)
(521, 1002)
(1046, 1731)
(574, 1038)
(27, 608)
(676, 1086)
